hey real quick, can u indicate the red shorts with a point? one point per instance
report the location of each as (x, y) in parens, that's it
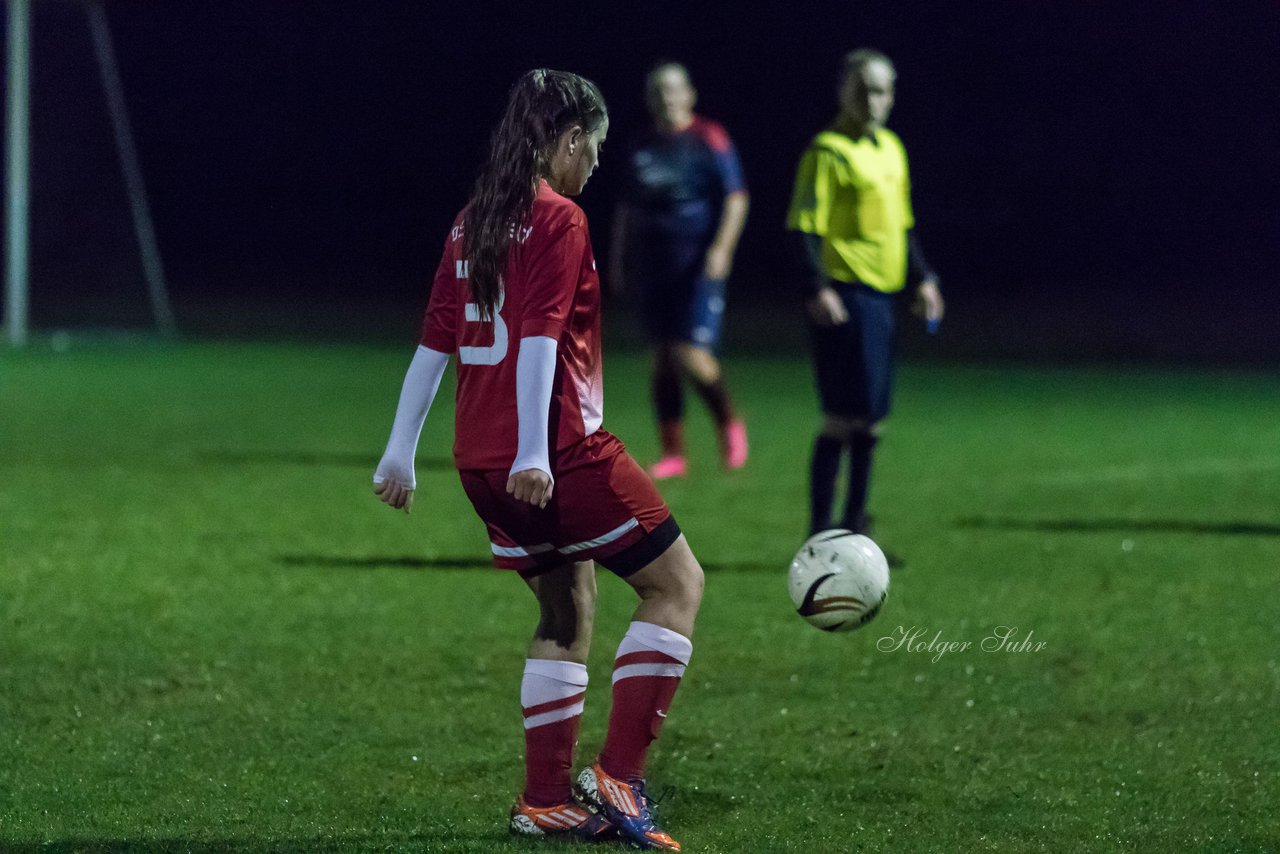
(604, 508)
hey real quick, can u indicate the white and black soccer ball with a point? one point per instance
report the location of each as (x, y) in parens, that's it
(839, 580)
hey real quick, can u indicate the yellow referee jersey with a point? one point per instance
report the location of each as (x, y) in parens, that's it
(856, 195)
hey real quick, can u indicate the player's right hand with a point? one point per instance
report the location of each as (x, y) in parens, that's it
(827, 309)
(532, 485)
(929, 304)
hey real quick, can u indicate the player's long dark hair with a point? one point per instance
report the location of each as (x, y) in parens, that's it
(542, 105)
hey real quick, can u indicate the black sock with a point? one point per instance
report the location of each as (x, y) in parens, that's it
(827, 451)
(668, 396)
(717, 400)
(861, 446)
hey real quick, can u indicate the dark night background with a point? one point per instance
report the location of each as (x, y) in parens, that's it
(1092, 179)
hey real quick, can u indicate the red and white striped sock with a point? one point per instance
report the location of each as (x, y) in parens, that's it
(552, 693)
(646, 674)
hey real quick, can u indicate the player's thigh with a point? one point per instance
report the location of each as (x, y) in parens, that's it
(706, 313)
(674, 574)
(667, 283)
(663, 311)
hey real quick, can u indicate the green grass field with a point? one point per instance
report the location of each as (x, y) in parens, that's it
(213, 638)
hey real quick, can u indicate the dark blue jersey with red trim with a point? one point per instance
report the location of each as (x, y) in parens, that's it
(677, 181)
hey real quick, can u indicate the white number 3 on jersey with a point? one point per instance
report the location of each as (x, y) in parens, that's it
(496, 352)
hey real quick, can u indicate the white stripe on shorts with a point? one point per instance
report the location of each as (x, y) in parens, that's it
(543, 548)
(521, 551)
(601, 540)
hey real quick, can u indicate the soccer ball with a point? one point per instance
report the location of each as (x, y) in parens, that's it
(839, 580)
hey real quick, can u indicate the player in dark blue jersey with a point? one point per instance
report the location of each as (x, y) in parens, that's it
(674, 237)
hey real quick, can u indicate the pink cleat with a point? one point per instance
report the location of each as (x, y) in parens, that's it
(733, 445)
(673, 465)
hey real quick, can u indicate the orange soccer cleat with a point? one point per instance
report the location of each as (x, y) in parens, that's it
(569, 819)
(626, 807)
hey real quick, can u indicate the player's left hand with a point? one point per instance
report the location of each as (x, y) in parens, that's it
(532, 485)
(719, 263)
(928, 303)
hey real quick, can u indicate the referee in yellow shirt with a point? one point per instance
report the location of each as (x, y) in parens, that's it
(851, 222)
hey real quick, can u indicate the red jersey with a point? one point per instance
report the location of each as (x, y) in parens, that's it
(549, 288)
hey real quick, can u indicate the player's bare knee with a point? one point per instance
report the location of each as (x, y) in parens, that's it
(694, 582)
(566, 601)
(685, 582)
(675, 578)
(558, 620)
(841, 427)
(583, 595)
(699, 363)
(831, 431)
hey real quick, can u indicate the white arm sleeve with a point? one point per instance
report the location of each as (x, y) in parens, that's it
(535, 373)
(421, 382)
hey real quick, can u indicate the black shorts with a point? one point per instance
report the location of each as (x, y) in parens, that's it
(677, 304)
(853, 362)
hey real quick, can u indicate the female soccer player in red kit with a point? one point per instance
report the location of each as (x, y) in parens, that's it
(517, 298)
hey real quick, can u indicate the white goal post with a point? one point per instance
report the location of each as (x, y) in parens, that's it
(17, 170)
